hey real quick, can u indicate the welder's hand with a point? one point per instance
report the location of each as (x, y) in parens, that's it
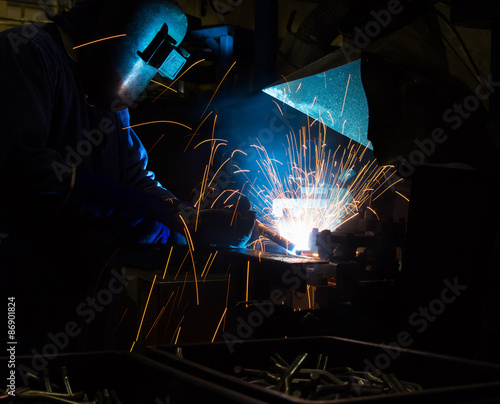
(142, 219)
(184, 217)
(229, 225)
(131, 215)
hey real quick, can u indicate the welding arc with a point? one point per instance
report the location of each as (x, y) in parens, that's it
(275, 237)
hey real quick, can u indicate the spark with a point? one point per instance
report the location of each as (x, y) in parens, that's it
(206, 265)
(213, 149)
(314, 100)
(171, 311)
(402, 196)
(196, 131)
(182, 290)
(177, 337)
(218, 325)
(281, 112)
(163, 85)
(236, 207)
(349, 218)
(168, 260)
(232, 192)
(287, 83)
(186, 70)
(209, 140)
(248, 279)
(187, 234)
(99, 40)
(394, 183)
(216, 146)
(177, 332)
(144, 312)
(314, 187)
(177, 78)
(345, 95)
(215, 174)
(159, 315)
(309, 296)
(209, 266)
(238, 151)
(372, 210)
(195, 278)
(227, 270)
(156, 321)
(121, 319)
(209, 176)
(217, 89)
(152, 147)
(180, 266)
(205, 184)
(151, 122)
(227, 298)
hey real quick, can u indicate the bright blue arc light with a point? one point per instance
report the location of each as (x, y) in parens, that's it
(335, 97)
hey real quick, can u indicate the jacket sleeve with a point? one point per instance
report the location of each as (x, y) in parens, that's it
(28, 82)
(137, 174)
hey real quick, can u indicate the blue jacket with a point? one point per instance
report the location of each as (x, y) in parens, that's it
(48, 130)
(73, 179)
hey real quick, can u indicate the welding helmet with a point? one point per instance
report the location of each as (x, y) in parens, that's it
(143, 38)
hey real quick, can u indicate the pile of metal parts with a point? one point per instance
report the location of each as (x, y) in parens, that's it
(322, 382)
(43, 390)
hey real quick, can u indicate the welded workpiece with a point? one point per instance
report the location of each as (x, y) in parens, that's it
(322, 382)
(310, 210)
(298, 207)
(373, 243)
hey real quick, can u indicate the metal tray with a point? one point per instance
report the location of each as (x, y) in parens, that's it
(126, 377)
(443, 378)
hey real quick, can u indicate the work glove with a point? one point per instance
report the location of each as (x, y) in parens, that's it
(229, 224)
(223, 228)
(132, 216)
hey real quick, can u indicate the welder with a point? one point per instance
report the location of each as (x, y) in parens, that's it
(74, 187)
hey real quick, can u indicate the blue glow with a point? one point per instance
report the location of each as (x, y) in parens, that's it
(336, 98)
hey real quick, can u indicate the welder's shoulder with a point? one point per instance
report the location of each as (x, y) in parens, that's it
(26, 40)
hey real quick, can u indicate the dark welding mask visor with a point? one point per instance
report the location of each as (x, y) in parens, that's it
(163, 55)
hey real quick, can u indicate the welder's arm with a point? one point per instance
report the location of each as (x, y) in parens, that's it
(132, 215)
(209, 227)
(137, 175)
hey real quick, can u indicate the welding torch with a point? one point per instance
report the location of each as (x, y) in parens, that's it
(275, 237)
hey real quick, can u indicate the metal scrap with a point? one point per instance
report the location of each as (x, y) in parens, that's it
(323, 382)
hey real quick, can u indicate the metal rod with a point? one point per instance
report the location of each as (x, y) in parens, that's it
(275, 237)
